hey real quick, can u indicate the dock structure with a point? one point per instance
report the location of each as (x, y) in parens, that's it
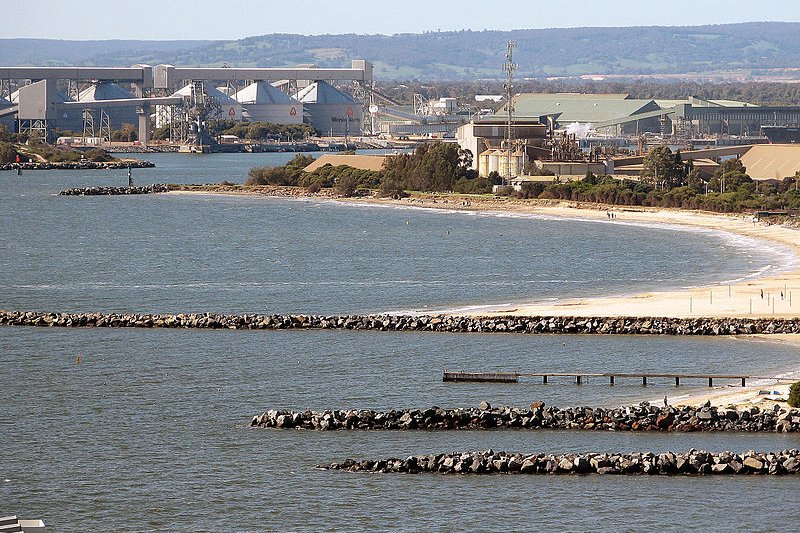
(580, 378)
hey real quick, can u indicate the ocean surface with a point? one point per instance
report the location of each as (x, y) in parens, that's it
(149, 431)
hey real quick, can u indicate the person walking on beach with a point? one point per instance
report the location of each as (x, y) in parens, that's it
(762, 294)
(665, 401)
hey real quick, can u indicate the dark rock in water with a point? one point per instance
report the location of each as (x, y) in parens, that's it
(439, 323)
(78, 165)
(114, 191)
(644, 463)
(578, 418)
(665, 420)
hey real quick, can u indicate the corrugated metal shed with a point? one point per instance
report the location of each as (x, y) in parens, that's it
(699, 102)
(14, 97)
(582, 108)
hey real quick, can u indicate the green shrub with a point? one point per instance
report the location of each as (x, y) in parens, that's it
(794, 394)
(346, 185)
(8, 153)
(98, 155)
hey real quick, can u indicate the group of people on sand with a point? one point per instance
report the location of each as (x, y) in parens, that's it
(609, 214)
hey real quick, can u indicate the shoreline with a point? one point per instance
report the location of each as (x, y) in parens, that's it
(738, 299)
(718, 301)
(723, 300)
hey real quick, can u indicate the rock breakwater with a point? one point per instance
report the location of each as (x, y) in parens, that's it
(114, 191)
(79, 165)
(693, 462)
(428, 323)
(643, 417)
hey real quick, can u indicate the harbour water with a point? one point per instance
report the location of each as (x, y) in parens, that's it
(148, 432)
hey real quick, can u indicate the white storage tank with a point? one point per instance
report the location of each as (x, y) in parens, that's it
(330, 111)
(264, 103)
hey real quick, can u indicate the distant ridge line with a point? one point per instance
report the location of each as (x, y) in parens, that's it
(743, 48)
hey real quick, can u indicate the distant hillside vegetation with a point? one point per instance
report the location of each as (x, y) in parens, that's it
(749, 47)
(55, 52)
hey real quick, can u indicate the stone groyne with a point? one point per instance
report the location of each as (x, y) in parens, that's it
(693, 462)
(643, 417)
(277, 191)
(78, 165)
(114, 191)
(418, 323)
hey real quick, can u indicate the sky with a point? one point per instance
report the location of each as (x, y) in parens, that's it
(235, 19)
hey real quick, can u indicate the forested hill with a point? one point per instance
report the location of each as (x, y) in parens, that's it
(750, 48)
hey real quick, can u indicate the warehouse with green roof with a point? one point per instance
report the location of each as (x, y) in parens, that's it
(559, 110)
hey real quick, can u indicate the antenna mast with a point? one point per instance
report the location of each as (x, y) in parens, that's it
(510, 67)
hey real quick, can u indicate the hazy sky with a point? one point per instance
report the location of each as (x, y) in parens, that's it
(234, 19)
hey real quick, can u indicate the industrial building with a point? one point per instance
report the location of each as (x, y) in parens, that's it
(93, 117)
(264, 103)
(218, 104)
(684, 120)
(330, 111)
(102, 95)
(7, 114)
(486, 140)
(425, 118)
(560, 110)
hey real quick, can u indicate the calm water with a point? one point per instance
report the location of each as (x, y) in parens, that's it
(148, 432)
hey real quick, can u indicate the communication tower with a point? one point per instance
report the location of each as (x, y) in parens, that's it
(510, 67)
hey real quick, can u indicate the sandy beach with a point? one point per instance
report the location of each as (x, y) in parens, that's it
(741, 299)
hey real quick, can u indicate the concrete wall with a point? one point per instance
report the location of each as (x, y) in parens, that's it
(336, 119)
(275, 113)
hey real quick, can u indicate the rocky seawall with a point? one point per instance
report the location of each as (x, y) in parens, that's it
(436, 323)
(643, 417)
(114, 191)
(277, 191)
(693, 462)
(78, 165)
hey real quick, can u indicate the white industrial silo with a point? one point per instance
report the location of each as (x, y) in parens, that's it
(330, 111)
(265, 103)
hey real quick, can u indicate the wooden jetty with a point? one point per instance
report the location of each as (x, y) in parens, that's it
(579, 378)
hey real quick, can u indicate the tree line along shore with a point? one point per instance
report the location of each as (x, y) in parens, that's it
(665, 181)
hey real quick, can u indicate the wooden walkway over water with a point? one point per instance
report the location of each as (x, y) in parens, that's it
(579, 378)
